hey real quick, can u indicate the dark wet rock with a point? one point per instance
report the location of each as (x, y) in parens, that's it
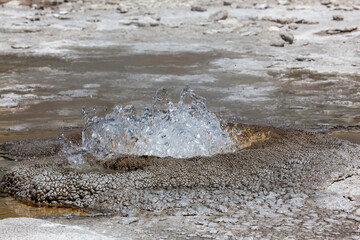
(338, 18)
(220, 15)
(326, 2)
(227, 3)
(198, 9)
(287, 37)
(129, 162)
(154, 24)
(142, 24)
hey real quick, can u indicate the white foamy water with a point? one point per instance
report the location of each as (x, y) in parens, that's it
(185, 130)
(91, 85)
(13, 100)
(24, 87)
(79, 93)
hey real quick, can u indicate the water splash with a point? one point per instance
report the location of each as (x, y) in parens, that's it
(185, 130)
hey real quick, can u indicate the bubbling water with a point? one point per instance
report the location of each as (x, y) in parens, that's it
(185, 130)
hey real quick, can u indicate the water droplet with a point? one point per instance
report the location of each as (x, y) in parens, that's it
(185, 130)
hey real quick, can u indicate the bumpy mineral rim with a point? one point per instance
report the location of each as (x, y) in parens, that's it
(287, 159)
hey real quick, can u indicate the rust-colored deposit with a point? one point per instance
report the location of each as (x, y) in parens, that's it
(244, 135)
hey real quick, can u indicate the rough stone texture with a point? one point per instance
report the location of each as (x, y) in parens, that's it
(30, 148)
(287, 37)
(274, 215)
(278, 43)
(338, 18)
(20, 149)
(289, 159)
(220, 15)
(198, 9)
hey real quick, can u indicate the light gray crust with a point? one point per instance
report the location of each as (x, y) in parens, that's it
(290, 159)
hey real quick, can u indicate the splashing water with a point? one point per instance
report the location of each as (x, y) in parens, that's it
(181, 131)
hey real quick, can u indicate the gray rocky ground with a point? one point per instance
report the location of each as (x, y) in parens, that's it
(297, 186)
(294, 185)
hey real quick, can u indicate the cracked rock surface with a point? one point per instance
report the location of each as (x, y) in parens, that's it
(268, 190)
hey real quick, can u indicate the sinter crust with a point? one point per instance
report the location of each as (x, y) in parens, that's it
(289, 159)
